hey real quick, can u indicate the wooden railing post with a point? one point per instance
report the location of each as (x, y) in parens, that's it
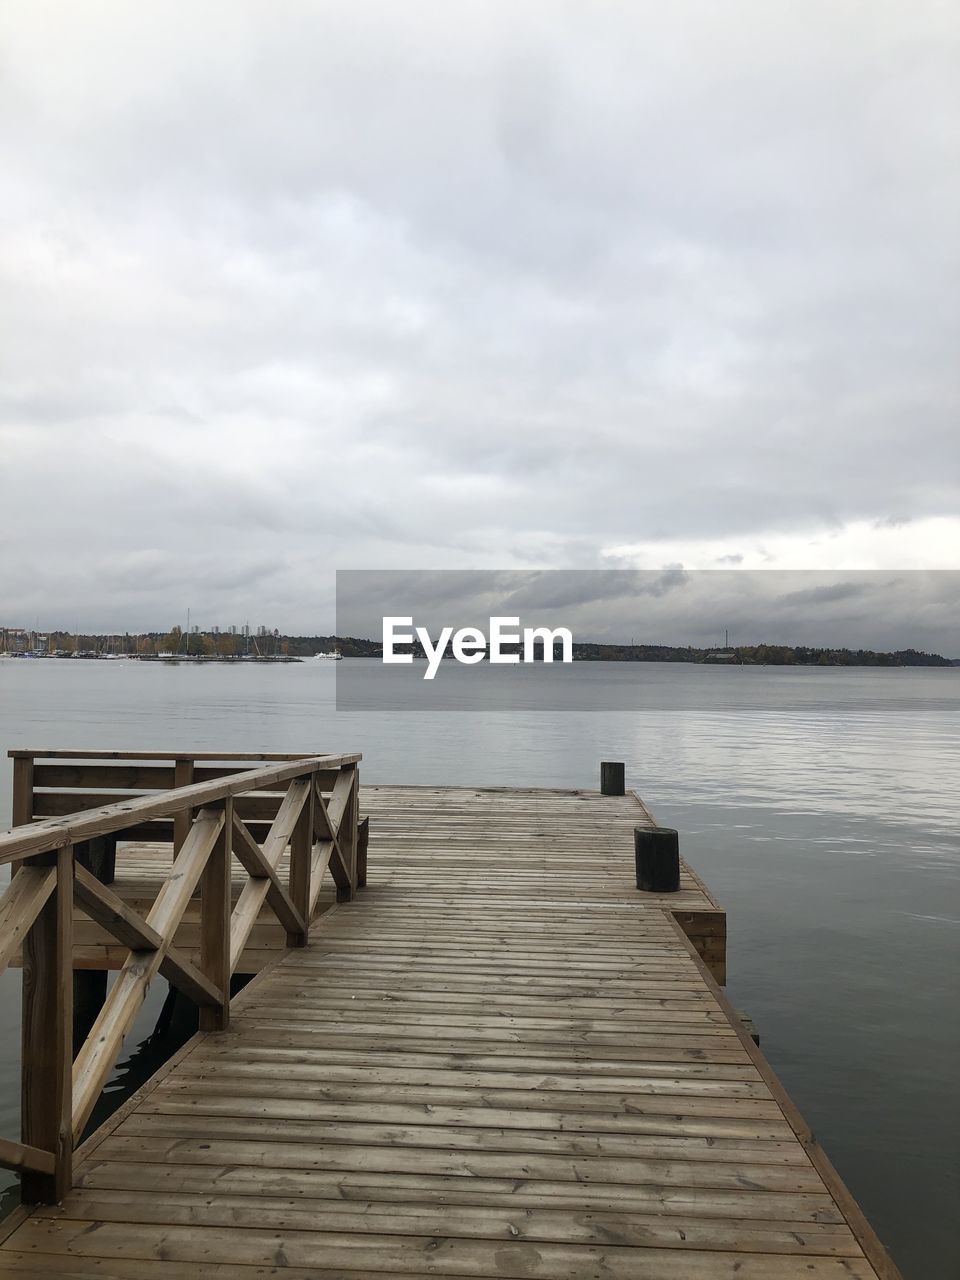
(47, 1035)
(301, 867)
(182, 777)
(215, 909)
(347, 834)
(22, 790)
(22, 808)
(354, 834)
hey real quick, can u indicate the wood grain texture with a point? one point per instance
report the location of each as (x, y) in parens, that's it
(499, 1060)
(47, 1036)
(55, 833)
(99, 1051)
(215, 904)
(20, 905)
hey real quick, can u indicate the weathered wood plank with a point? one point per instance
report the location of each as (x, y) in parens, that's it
(479, 1111)
(297, 919)
(47, 1037)
(254, 892)
(395, 1187)
(109, 910)
(22, 901)
(57, 833)
(215, 905)
(183, 818)
(180, 971)
(95, 1059)
(22, 1158)
(249, 854)
(500, 1060)
(421, 1254)
(476, 1222)
(23, 773)
(103, 777)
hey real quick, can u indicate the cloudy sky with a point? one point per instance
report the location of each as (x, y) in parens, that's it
(878, 609)
(289, 287)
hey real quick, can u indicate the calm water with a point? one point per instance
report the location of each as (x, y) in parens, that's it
(822, 806)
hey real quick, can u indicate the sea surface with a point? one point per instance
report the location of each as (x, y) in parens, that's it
(822, 806)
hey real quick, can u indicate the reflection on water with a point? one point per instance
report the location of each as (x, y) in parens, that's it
(820, 804)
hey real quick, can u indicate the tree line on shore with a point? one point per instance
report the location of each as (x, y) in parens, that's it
(228, 645)
(778, 655)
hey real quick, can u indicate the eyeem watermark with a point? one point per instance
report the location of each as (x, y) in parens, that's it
(470, 645)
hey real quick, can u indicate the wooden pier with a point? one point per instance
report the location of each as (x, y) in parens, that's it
(498, 1059)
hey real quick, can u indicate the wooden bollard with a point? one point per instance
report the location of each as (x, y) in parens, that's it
(657, 852)
(612, 778)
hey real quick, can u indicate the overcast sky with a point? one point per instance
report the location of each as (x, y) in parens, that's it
(854, 609)
(290, 287)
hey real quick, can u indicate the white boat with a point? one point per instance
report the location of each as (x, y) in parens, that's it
(335, 656)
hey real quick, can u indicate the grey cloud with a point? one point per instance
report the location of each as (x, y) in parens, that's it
(825, 595)
(778, 607)
(465, 285)
(551, 590)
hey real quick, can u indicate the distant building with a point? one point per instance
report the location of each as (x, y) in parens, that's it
(13, 639)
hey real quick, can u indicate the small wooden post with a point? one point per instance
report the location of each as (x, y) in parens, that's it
(612, 778)
(182, 777)
(22, 790)
(355, 829)
(301, 866)
(46, 1119)
(22, 812)
(657, 851)
(363, 836)
(215, 908)
(347, 835)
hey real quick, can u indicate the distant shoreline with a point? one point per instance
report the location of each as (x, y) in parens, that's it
(733, 655)
(305, 649)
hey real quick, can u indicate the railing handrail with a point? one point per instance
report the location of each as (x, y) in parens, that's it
(48, 834)
(76, 753)
(316, 819)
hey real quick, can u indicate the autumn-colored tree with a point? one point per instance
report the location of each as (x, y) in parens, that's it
(171, 641)
(200, 645)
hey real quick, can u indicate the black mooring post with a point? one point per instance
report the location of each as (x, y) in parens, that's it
(612, 778)
(657, 851)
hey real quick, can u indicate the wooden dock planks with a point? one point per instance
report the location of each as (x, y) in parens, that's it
(500, 1060)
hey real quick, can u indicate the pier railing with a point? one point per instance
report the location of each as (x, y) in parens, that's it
(211, 813)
